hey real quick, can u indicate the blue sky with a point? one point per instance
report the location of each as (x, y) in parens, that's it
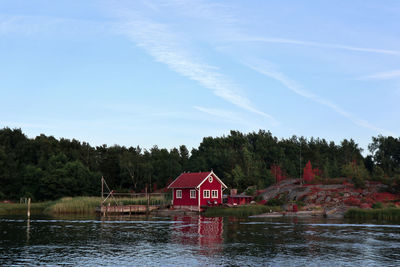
(168, 73)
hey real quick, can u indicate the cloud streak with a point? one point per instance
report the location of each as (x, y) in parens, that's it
(323, 45)
(169, 48)
(387, 75)
(265, 69)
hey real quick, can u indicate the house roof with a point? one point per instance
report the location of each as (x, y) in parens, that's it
(192, 180)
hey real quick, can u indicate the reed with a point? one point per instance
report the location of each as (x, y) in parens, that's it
(240, 211)
(75, 205)
(21, 208)
(385, 214)
(87, 205)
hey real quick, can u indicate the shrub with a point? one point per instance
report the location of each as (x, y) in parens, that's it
(377, 205)
(352, 201)
(275, 202)
(388, 214)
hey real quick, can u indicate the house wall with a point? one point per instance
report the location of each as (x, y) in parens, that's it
(238, 200)
(214, 185)
(185, 200)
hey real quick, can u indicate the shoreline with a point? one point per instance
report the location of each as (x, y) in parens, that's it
(300, 214)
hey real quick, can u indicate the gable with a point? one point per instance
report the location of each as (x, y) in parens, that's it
(189, 180)
(212, 174)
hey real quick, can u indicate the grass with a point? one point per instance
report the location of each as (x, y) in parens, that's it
(21, 209)
(384, 214)
(240, 211)
(74, 205)
(141, 201)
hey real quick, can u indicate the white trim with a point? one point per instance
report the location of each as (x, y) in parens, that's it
(194, 191)
(212, 193)
(215, 176)
(204, 193)
(180, 191)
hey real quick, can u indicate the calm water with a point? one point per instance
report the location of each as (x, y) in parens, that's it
(195, 241)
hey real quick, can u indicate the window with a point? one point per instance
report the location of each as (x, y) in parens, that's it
(214, 194)
(210, 179)
(178, 193)
(192, 193)
(206, 193)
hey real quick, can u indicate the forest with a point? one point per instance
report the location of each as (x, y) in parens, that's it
(46, 168)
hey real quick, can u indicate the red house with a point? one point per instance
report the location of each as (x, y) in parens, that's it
(194, 190)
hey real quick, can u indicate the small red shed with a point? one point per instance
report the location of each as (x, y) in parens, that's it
(193, 190)
(241, 199)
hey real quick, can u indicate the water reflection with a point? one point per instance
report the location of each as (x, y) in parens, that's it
(194, 241)
(28, 230)
(204, 232)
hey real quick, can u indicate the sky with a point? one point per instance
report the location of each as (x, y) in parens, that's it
(171, 72)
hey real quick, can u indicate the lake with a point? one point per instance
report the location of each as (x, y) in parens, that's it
(195, 241)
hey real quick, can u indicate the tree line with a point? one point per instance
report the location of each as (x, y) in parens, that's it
(46, 168)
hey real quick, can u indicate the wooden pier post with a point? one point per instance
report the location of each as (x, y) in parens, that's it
(29, 207)
(148, 202)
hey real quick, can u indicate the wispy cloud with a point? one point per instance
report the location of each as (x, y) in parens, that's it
(265, 69)
(169, 48)
(317, 44)
(387, 75)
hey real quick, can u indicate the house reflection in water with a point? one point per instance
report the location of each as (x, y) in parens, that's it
(199, 231)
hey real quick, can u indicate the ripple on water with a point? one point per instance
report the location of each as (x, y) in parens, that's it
(168, 242)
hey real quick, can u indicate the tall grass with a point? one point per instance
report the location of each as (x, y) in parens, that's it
(159, 200)
(75, 205)
(87, 205)
(240, 211)
(22, 208)
(385, 214)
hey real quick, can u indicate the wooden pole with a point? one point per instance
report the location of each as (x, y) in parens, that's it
(102, 189)
(29, 207)
(102, 196)
(147, 197)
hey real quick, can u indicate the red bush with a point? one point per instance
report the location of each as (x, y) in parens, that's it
(262, 202)
(308, 174)
(366, 206)
(369, 200)
(381, 197)
(278, 173)
(352, 201)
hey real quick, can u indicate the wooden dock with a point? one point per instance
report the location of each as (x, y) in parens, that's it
(126, 209)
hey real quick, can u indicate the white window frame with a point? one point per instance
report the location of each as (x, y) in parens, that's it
(214, 194)
(192, 193)
(210, 179)
(178, 193)
(206, 193)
